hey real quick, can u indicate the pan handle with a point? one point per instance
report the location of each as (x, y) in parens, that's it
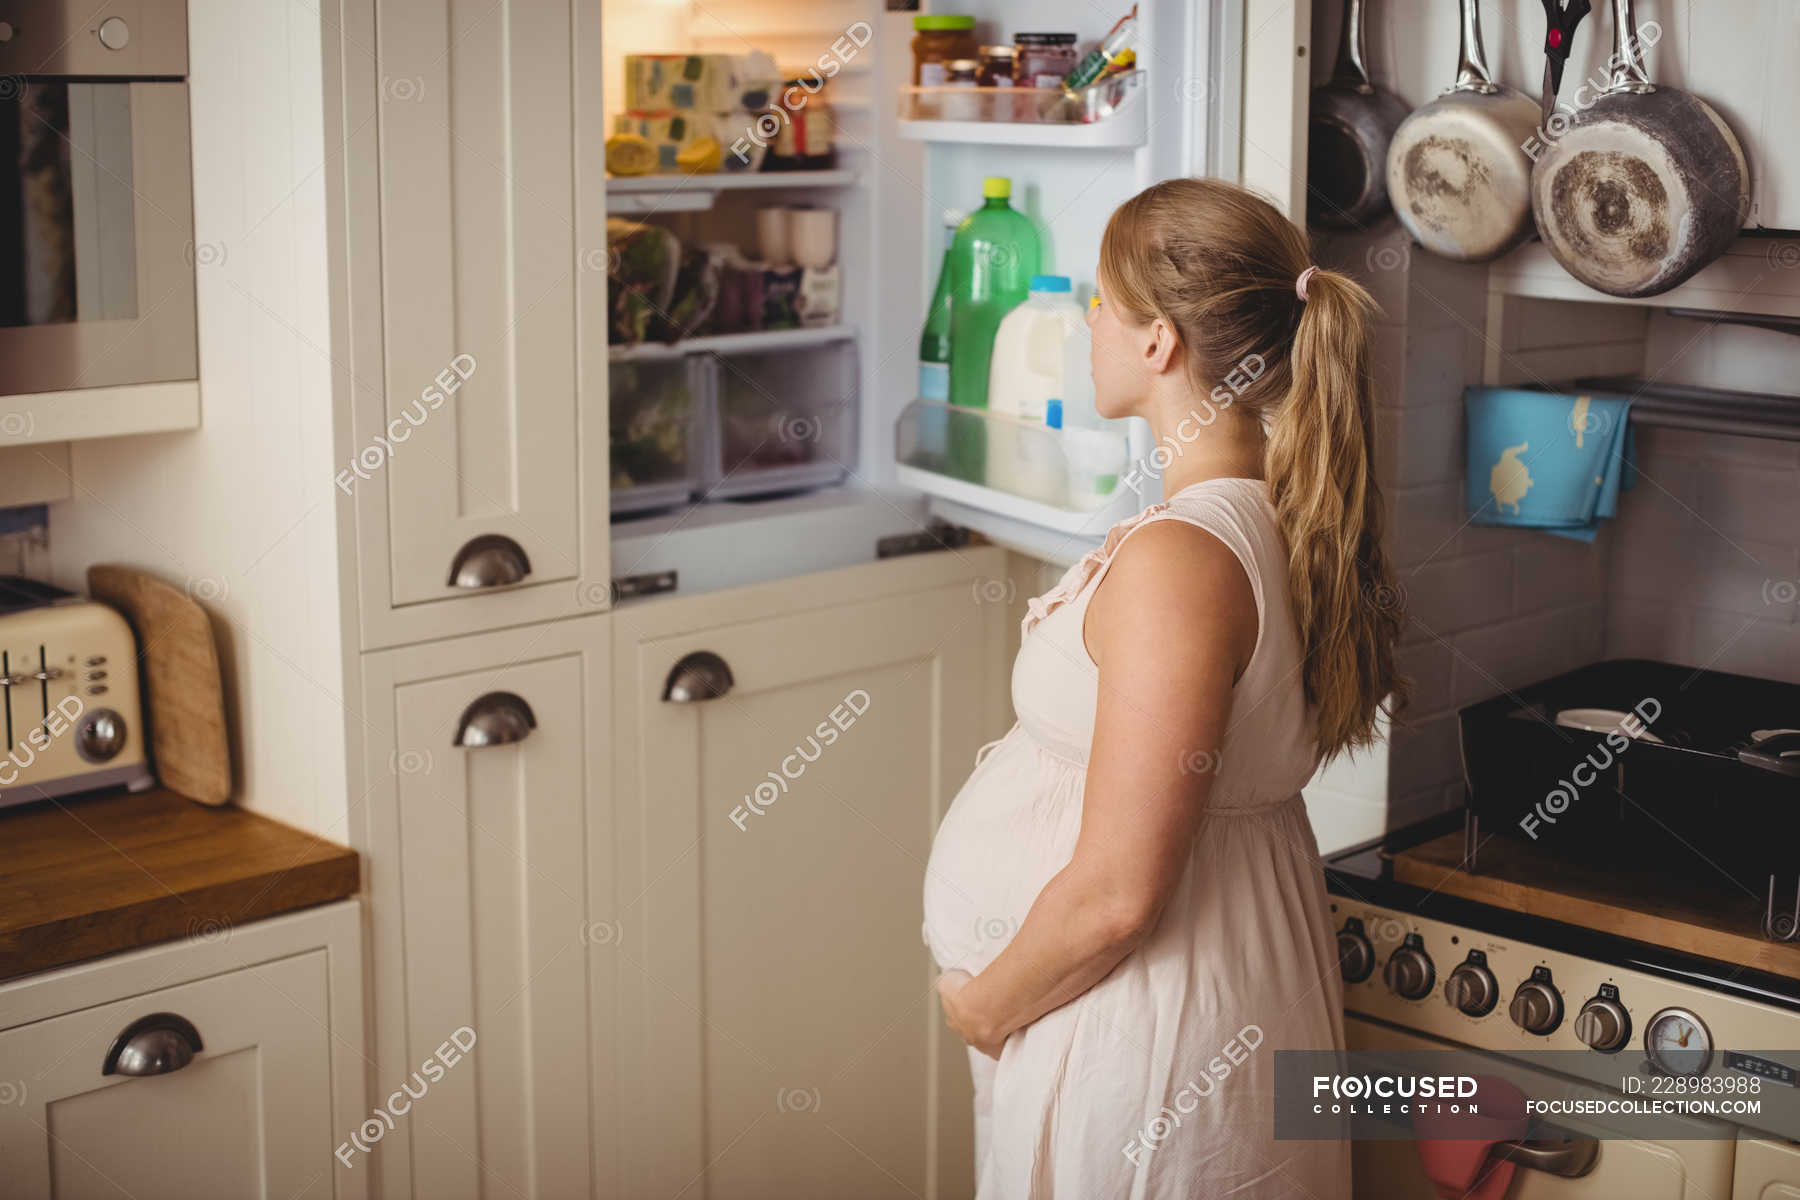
(1351, 68)
(1628, 71)
(1472, 74)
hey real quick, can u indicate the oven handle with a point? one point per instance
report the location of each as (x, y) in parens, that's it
(1570, 1158)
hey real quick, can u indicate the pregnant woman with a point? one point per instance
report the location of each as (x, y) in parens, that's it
(1126, 896)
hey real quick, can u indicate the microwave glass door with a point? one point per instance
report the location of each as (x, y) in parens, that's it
(96, 229)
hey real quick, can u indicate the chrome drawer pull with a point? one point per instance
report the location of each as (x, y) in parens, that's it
(701, 675)
(153, 1045)
(491, 560)
(496, 719)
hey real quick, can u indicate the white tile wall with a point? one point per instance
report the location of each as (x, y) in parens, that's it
(1489, 608)
(1706, 567)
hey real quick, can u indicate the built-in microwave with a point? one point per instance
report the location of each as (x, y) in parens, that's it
(96, 196)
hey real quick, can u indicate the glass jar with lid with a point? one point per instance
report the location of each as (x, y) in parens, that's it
(937, 41)
(996, 66)
(1042, 59)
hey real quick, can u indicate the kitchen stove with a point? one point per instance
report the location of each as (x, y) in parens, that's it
(1425, 970)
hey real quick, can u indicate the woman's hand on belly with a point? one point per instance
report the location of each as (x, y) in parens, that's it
(968, 1023)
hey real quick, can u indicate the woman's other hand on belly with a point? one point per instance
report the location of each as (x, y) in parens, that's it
(963, 1016)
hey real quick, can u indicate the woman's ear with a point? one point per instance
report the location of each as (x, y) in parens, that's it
(1160, 347)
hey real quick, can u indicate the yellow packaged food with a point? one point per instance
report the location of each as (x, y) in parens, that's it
(630, 154)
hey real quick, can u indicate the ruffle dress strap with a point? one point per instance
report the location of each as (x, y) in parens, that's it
(1077, 577)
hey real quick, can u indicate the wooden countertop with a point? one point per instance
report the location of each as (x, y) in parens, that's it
(1701, 916)
(94, 875)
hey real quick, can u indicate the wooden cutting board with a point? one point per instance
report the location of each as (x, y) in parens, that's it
(1713, 919)
(178, 664)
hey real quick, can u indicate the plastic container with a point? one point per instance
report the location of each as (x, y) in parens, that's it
(1040, 351)
(1040, 354)
(992, 260)
(936, 41)
(655, 434)
(779, 421)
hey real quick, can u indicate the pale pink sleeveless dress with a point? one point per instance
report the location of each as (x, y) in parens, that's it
(1158, 1081)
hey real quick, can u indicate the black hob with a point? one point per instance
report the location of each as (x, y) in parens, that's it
(1364, 873)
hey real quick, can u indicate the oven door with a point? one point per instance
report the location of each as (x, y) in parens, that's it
(1643, 1170)
(96, 234)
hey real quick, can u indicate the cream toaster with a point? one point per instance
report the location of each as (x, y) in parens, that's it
(69, 706)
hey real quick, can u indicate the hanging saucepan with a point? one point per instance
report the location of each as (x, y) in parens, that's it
(1644, 186)
(1457, 170)
(1347, 139)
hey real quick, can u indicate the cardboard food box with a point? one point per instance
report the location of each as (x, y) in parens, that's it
(699, 82)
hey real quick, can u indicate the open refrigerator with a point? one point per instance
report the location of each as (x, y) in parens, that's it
(851, 385)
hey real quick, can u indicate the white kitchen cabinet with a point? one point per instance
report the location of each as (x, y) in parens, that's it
(273, 1087)
(469, 244)
(485, 759)
(777, 1031)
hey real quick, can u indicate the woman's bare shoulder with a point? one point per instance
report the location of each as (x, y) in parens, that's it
(1174, 581)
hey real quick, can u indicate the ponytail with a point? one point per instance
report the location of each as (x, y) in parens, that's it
(1221, 265)
(1321, 473)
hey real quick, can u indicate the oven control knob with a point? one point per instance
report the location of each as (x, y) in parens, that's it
(1471, 989)
(100, 735)
(1537, 1006)
(1356, 957)
(1409, 973)
(1603, 1024)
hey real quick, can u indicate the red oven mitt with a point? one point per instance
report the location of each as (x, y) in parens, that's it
(1453, 1147)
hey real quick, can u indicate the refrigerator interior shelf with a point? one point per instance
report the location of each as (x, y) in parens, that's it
(697, 192)
(728, 343)
(1013, 468)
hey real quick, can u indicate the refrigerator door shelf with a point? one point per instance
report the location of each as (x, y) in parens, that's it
(1016, 470)
(1109, 115)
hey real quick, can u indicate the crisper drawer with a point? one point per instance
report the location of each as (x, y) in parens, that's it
(248, 1114)
(780, 421)
(655, 410)
(1643, 1170)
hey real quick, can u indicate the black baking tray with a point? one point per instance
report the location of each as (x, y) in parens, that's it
(1687, 802)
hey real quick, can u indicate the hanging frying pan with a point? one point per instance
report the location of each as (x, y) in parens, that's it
(1350, 123)
(1457, 170)
(1644, 186)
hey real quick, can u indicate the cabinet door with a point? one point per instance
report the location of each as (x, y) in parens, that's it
(249, 1115)
(481, 753)
(778, 1027)
(473, 266)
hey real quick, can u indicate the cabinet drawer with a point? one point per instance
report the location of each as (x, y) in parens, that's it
(249, 1115)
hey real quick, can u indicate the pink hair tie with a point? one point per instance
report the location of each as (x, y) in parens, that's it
(1300, 283)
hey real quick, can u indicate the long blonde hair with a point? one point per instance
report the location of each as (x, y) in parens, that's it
(1219, 264)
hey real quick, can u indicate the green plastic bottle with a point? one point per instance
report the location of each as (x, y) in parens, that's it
(991, 262)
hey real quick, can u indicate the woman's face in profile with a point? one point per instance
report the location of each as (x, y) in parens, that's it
(1115, 357)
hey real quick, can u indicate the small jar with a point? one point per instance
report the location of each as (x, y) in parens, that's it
(996, 66)
(1042, 59)
(937, 41)
(804, 141)
(963, 104)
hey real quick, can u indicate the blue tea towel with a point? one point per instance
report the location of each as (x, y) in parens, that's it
(1547, 460)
